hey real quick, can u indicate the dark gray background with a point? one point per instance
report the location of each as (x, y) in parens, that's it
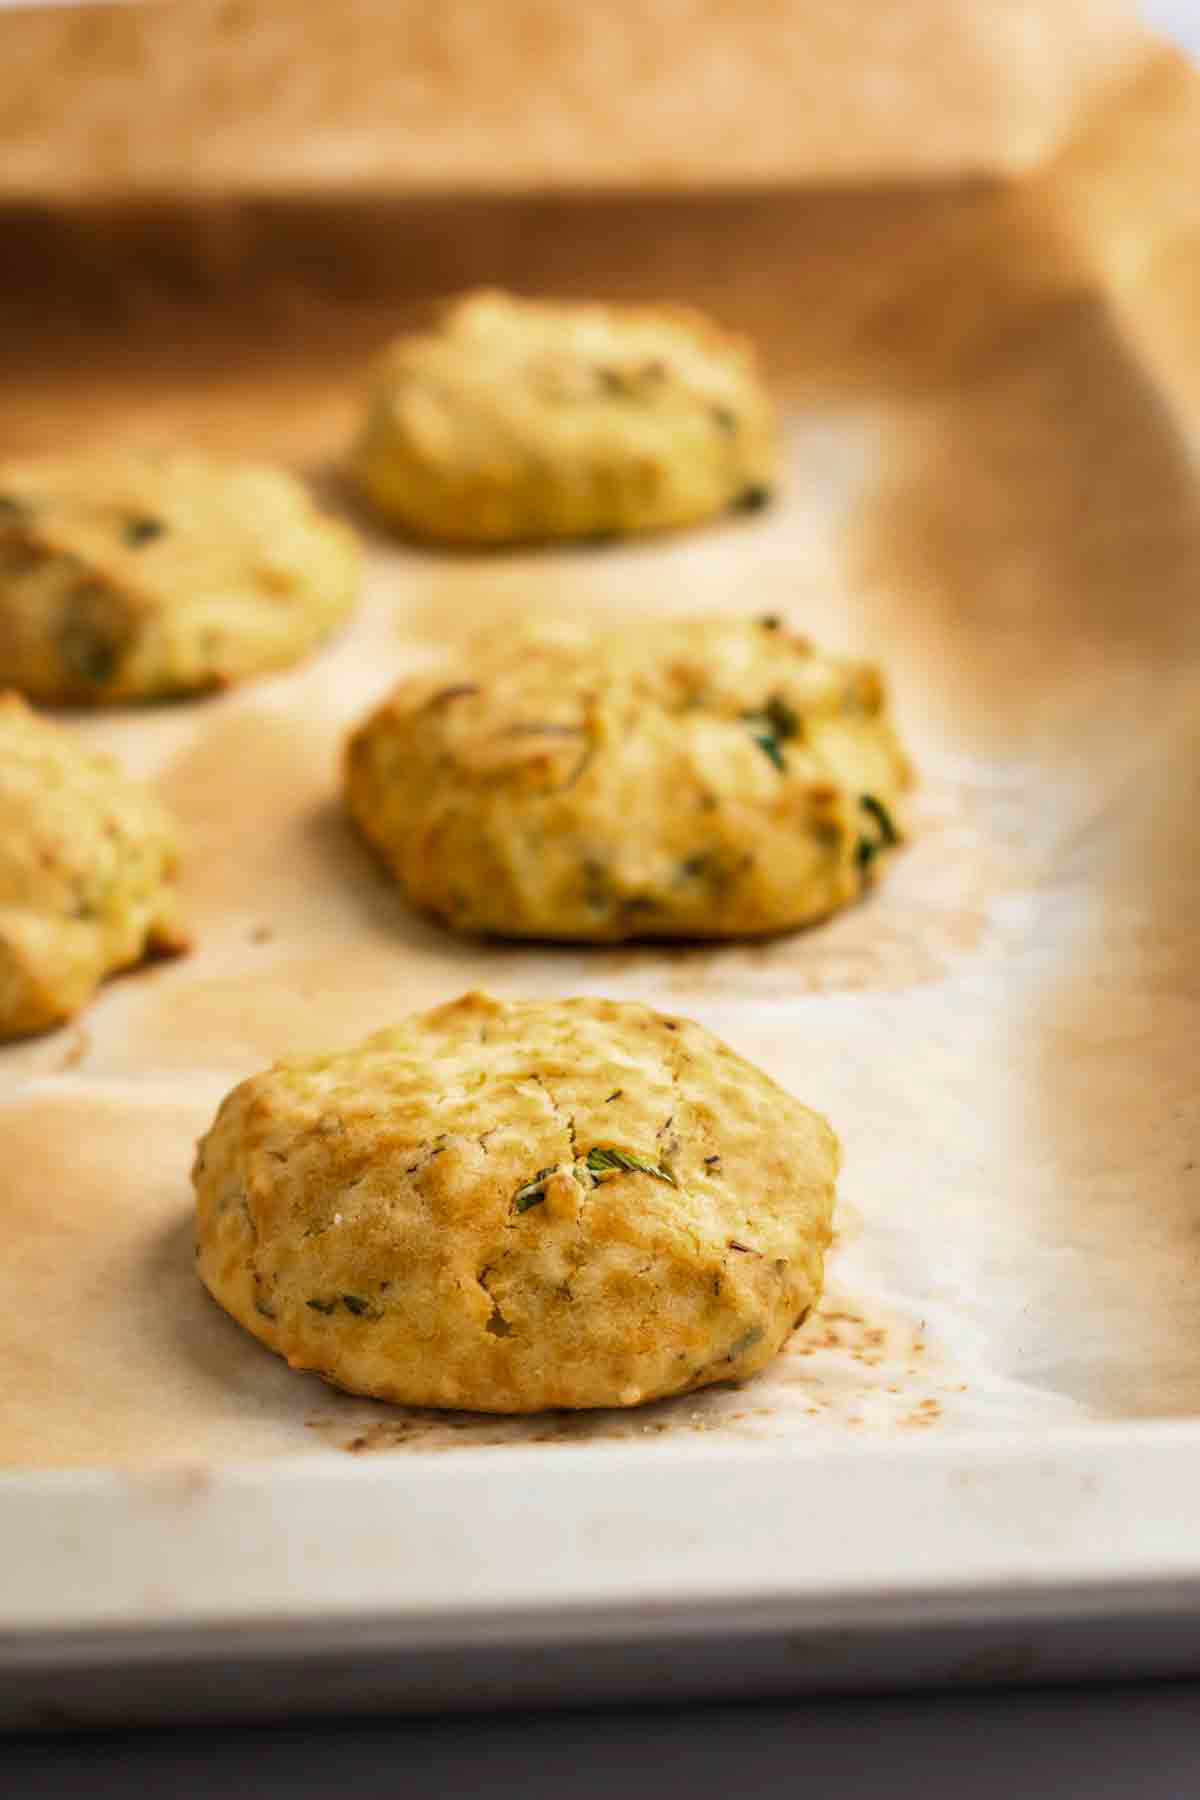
(1095, 1742)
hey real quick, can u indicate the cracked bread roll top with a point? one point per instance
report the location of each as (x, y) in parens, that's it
(706, 777)
(524, 420)
(508, 1207)
(87, 858)
(135, 576)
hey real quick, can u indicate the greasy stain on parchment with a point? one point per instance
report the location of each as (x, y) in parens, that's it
(850, 1368)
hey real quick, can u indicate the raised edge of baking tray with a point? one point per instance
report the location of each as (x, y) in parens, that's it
(509, 1578)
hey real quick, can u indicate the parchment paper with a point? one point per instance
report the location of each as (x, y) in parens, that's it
(285, 97)
(989, 491)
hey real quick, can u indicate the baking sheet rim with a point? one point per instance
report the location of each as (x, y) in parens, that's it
(1087, 1509)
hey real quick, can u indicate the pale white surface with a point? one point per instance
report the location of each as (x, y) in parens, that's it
(508, 1579)
(1178, 20)
(640, 1534)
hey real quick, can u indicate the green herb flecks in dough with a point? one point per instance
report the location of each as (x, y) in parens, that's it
(88, 654)
(604, 1160)
(773, 727)
(533, 1192)
(141, 530)
(886, 836)
(746, 1342)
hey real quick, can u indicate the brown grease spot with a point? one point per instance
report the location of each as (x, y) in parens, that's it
(851, 1341)
(923, 1415)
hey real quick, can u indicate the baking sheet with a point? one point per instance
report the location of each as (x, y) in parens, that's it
(205, 96)
(987, 491)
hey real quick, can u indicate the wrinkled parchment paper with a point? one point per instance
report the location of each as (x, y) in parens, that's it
(990, 488)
